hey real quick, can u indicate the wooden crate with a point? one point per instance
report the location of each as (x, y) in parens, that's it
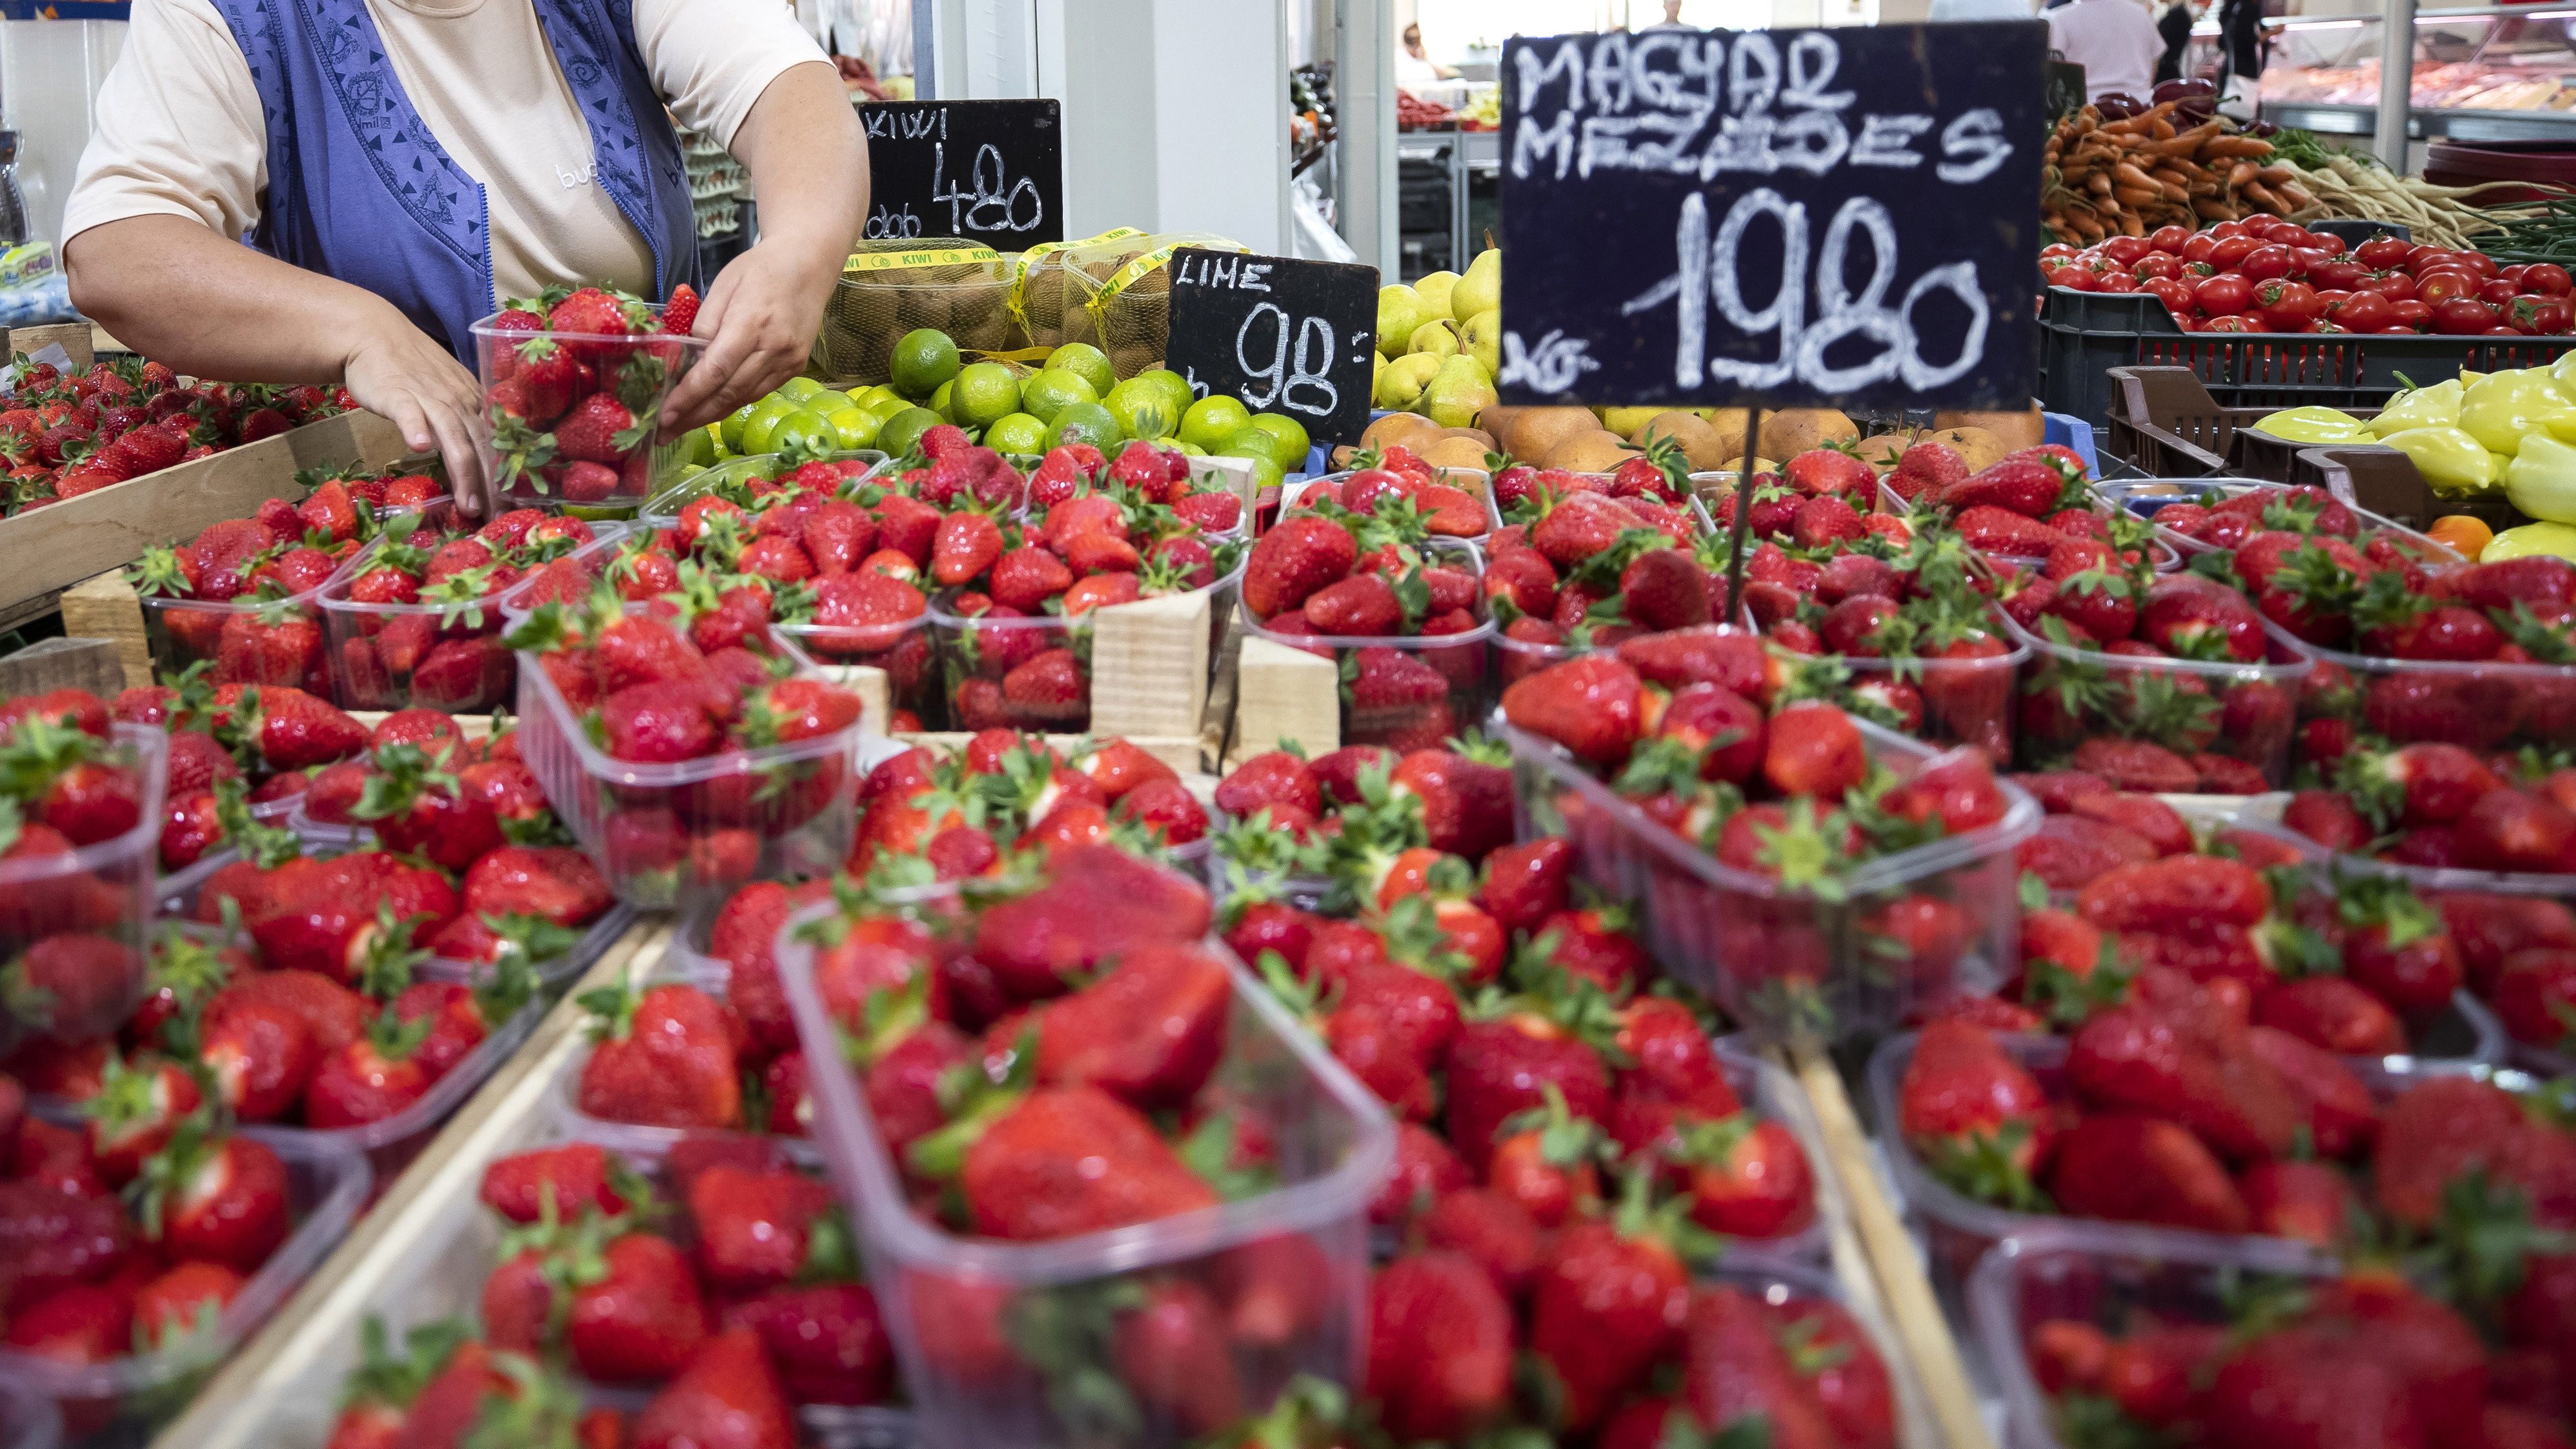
(78, 340)
(1284, 696)
(56, 546)
(283, 1387)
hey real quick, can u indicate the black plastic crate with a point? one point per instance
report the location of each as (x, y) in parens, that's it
(2083, 335)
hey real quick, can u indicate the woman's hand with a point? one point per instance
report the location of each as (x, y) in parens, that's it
(760, 318)
(396, 371)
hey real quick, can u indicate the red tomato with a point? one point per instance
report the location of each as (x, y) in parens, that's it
(2411, 314)
(2322, 325)
(2400, 329)
(2194, 271)
(2174, 294)
(2395, 286)
(2337, 274)
(2231, 251)
(2224, 294)
(2228, 324)
(2501, 330)
(2419, 255)
(2497, 292)
(2125, 249)
(2115, 282)
(2169, 239)
(2287, 306)
(2436, 287)
(2480, 263)
(2460, 316)
(2329, 244)
(2157, 264)
(2057, 252)
(2226, 229)
(2545, 279)
(2514, 274)
(2382, 252)
(2360, 312)
(2541, 316)
(2305, 260)
(2073, 279)
(2268, 262)
(2199, 247)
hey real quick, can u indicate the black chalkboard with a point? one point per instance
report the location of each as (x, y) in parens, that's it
(1839, 217)
(1282, 335)
(988, 171)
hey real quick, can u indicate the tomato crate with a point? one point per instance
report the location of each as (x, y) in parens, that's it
(2083, 335)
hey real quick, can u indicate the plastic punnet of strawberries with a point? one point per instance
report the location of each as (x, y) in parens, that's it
(1396, 484)
(1580, 567)
(1004, 797)
(1348, 586)
(238, 594)
(66, 434)
(1013, 615)
(1153, 1092)
(2026, 504)
(235, 752)
(2439, 807)
(715, 757)
(745, 480)
(573, 382)
(415, 620)
(79, 798)
(1699, 772)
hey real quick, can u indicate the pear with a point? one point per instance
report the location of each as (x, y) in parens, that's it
(1481, 289)
(1459, 392)
(1437, 338)
(1483, 340)
(1399, 311)
(1626, 421)
(1434, 291)
(1403, 380)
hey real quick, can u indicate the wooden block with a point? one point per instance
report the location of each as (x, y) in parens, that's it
(1149, 666)
(289, 1374)
(63, 543)
(50, 664)
(105, 607)
(75, 339)
(1285, 694)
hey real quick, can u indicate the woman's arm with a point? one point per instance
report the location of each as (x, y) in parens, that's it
(211, 307)
(809, 177)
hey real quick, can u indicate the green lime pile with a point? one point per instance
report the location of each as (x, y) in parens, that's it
(1072, 397)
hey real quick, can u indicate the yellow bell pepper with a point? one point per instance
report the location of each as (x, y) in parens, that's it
(2318, 425)
(2437, 406)
(2541, 480)
(2557, 539)
(2502, 410)
(2450, 460)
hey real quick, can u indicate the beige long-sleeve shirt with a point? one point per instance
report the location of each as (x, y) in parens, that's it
(179, 131)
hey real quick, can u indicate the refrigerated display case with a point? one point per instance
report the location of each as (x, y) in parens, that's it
(2479, 73)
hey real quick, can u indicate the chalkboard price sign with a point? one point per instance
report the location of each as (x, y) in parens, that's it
(988, 171)
(1283, 335)
(1840, 217)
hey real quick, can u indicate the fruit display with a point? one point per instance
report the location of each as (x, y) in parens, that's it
(80, 815)
(1005, 800)
(2118, 170)
(1450, 502)
(64, 435)
(573, 383)
(414, 620)
(1440, 343)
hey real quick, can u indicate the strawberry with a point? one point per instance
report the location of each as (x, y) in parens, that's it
(2190, 1063)
(189, 1299)
(728, 1395)
(574, 1176)
(1748, 1178)
(2001, 531)
(758, 1230)
(379, 1075)
(828, 1343)
(137, 1110)
(1294, 560)
(663, 1056)
(1441, 1344)
(2146, 1170)
(1976, 1116)
(1021, 1182)
(2024, 487)
(1148, 1033)
(220, 1198)
(1608, 1302)
(1813, 749)
(680, 312)
(1594, 705)
(376, 1401)
(1738, 1378)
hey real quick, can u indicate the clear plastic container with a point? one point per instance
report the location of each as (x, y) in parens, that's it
(1965, 701)
(593, 558)
(636, 1141)
(2257, 703)
(1472, 480)
(2484, 706)
(642, 469)
(662, 510)
(1788, 963)
(1408, 691)
(905, 653)
(121, 1398)
(28, 1420)
(2161, 554)
(1334, 1144)
(985, 676)
(278, 641)
(74, 924)
(2071, 1272)
(1778, 1282)
(2146, 496)
(1957, 1230)
(376, 650)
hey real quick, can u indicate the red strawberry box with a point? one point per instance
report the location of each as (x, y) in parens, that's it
(574, 393)
(735, 477)
(1032, 673)
(2152, 722)
(415, 620)
(2200, 515)
(77, 863)
(1472, 519)
(326, 1185)
(1857, 953)
(1402, 690)
(1261, 1268)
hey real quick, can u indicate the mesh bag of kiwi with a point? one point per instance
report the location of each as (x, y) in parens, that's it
(888, 288)
(1113, 291)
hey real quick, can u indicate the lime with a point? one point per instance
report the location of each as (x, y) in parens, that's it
(1293, 442)
(1086, 362)
(1175, 388)
(1251, 442)
(801, 390)
(1193, 450)
(765, 414)
(729, 431)
(1142, 409)
(984, 394)
(905, 429)
(803, 431)
(1212, 422)
(1054, 390)
(698, 445)
(1083, 422)
(1018, 433)
(939, 400)
(878, 398)
(855, 427)
(1265, 474)
(923, 359)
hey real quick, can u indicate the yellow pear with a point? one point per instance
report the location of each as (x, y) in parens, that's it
(1481, 289)
(1399, 311)
(1437, 338)
(1483, 339)
(1404, 379)
(1626, 421)
(1457, 393)
(1434, 291)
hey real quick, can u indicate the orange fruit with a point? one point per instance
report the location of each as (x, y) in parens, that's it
(2462, 534)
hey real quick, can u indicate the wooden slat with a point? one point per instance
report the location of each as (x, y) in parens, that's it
(1903, 1289)
(49, 664)
(318, 1327)
(105, 607)
(75, 338)
(61, 544)
(1284, 694)
(1149, 667)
